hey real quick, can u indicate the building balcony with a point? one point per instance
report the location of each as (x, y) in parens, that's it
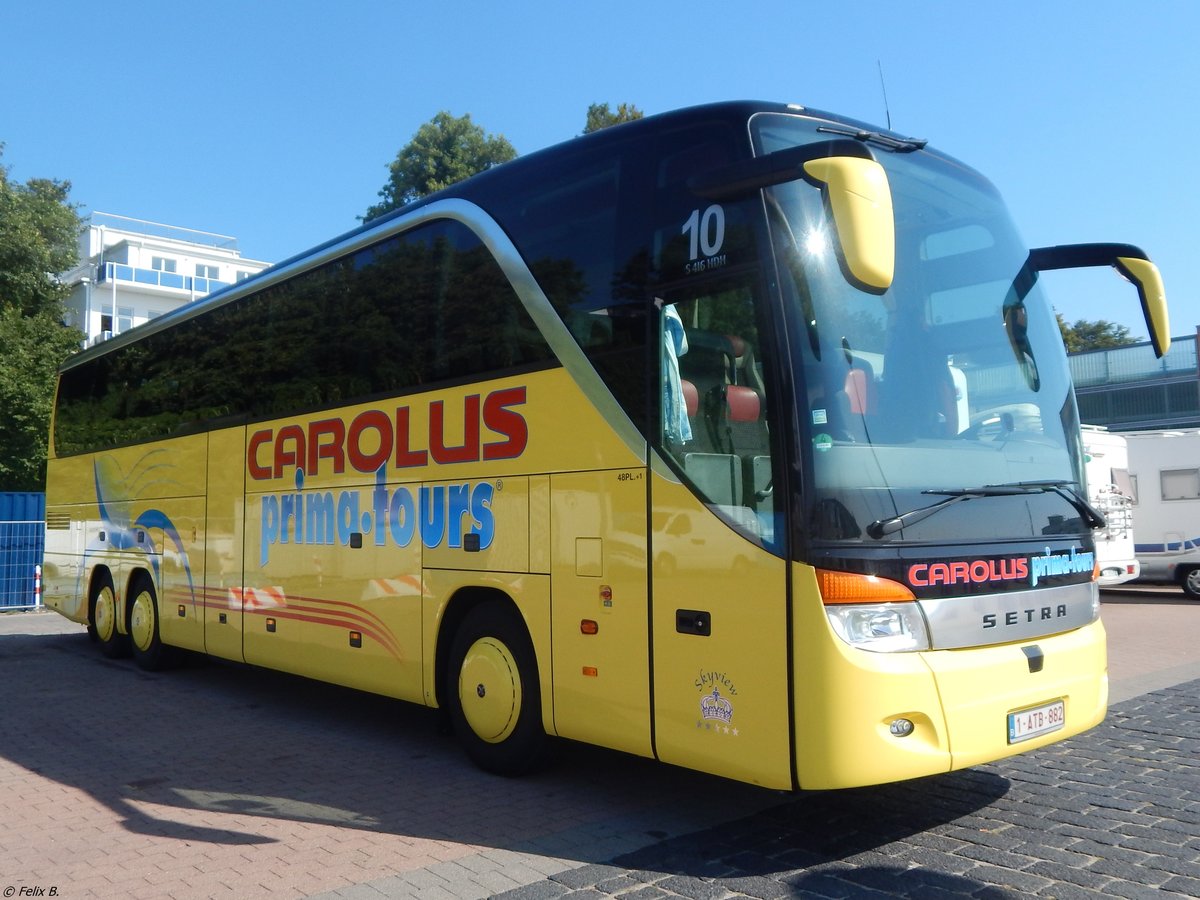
(194, 285)
(1130, 389)
(1137, 362)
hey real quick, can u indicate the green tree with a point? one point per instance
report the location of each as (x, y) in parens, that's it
(1098, 335)
(599, 115)
(445, 150)
(38, 232)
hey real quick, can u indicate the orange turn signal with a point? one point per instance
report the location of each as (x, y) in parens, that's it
(850, 587)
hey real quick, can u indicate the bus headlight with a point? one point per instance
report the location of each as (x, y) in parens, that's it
(880, 627)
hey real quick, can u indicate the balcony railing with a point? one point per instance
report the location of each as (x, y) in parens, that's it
(194, 285)
(1123, 365)
(158, 229)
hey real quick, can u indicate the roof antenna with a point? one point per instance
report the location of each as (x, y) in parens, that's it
(883, 87)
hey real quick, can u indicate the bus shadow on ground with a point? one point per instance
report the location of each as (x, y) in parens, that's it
(219, 742)
(877, 841)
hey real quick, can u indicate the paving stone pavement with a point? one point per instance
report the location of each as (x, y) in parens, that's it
(222, 781)
(1112, 813)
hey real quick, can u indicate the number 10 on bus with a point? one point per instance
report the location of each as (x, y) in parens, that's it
(706, 234)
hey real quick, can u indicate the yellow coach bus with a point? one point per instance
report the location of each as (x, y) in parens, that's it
(740, 437)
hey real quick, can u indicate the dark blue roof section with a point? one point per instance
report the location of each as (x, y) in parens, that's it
(734, 112)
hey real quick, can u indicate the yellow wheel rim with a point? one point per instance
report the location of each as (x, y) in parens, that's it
(489, 690)
(105, 614)
(141, 620)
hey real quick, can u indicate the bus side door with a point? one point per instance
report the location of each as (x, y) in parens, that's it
(720, 644)
(720, 623)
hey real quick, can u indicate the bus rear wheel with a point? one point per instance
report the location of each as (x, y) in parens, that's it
(103, 619)
(494, 692)
(148, 649)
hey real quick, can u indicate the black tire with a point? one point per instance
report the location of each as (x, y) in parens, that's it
(493, 692)
(1190, 582)
(102, 619)
(149, 652)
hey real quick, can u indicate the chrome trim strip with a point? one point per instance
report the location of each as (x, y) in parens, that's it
(956, 622)
(659, 467)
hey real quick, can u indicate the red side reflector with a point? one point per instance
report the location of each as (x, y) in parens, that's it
(587, 626)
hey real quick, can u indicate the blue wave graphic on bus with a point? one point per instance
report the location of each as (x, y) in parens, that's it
(113, 489)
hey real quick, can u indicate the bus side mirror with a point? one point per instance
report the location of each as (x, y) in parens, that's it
(857, 195)
(1132, 263)
(859, 199)
(1153, 296)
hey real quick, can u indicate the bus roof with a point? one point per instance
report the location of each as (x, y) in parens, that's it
(731, 111)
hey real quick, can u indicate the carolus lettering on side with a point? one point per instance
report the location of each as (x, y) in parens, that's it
(455, 515)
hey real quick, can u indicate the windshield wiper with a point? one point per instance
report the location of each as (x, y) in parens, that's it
(882, 527)
(902, 145)
(1091, 515)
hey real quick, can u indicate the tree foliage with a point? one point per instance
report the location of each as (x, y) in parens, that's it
(1097, 335)
(31, 349)
(444, 150)
(38, 231)
(599, 115)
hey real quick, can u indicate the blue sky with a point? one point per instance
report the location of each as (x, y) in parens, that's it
(274, 121)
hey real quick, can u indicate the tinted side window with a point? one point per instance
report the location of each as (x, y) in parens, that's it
(421, 308)
(172, 382)
(578, 221)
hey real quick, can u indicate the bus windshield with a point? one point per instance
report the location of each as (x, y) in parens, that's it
(953, 382)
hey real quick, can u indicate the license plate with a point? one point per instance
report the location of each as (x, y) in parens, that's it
(1029, 723)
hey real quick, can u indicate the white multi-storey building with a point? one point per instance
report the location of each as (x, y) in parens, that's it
(131, 271)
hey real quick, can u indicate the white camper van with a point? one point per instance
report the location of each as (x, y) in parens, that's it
(1110, 490)
(1165, 468)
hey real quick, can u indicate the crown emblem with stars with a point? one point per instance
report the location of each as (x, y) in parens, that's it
(714, 706)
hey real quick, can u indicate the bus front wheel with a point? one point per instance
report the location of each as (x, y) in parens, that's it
(103, 619)
(494, 693)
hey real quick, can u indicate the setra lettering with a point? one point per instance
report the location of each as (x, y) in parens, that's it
(1016, 617)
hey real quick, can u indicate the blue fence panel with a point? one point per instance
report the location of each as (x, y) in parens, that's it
(22, 542)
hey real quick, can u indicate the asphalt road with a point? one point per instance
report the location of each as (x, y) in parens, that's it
(216, 780)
